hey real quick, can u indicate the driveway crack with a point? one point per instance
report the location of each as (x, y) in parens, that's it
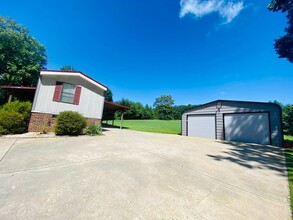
(65, 164)
(8, 150)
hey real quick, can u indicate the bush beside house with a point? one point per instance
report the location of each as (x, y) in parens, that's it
(70, 123)
(24, 108)
(14, 117)
(12, 123)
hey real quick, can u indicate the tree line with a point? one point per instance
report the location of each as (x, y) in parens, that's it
(163, 109)
(287, 117)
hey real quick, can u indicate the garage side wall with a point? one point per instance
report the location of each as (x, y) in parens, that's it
(220, 108)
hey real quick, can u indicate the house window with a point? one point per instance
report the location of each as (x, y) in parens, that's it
(68, 91)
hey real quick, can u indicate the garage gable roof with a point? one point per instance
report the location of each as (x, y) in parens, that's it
(220, 101)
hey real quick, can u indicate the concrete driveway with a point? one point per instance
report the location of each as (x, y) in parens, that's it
(135, 175)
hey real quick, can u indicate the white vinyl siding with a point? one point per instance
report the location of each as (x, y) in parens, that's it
(91, 101)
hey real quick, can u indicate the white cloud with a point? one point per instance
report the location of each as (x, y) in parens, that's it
(228, 10)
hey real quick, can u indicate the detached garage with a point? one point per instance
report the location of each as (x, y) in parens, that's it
(251, 122)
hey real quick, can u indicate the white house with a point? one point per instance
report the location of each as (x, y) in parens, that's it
(59, 91)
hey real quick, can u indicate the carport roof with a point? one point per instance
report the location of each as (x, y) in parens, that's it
(111, 106)
(21, 92)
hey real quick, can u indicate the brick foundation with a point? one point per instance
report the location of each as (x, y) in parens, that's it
(93, 120)
(42, 122)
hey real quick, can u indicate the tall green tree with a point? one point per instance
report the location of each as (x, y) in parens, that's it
(287, 116)
(109, 95)
(21, 56)
(136, 110)
(179, 109)
(278, 103)
(164, 107)
(288, 119)
(148, 112)
(284, 45)
(67, 68)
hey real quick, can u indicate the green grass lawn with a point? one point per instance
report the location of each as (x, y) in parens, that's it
(289, 161)
(288, 138)
(158, 126)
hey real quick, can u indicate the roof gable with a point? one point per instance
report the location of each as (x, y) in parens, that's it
(73, 73)
(218, 103)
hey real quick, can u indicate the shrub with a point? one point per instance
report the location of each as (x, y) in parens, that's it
(94, 129)
(3, 130)
(23, 108)
(70, 123)
(12, 123)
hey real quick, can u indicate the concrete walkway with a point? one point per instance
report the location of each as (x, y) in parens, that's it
(135, 175)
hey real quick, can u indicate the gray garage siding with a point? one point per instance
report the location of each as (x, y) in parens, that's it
(238, 107)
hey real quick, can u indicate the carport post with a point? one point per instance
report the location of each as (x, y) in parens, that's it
(121, 123)
(9, 98)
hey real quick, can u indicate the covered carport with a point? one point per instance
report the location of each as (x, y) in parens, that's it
(23, 93)
(109, 112)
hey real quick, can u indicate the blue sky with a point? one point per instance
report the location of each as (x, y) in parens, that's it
(197, 51)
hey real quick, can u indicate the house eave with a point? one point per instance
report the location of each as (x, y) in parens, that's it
(75, 74)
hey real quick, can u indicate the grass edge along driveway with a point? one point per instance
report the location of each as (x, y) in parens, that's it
(156, 126)
(289, 163)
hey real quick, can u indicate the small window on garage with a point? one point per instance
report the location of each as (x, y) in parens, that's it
(68, 91)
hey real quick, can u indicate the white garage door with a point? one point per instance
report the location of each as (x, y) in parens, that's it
(203, 126)
(248, 127)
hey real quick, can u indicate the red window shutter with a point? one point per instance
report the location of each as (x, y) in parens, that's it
(57, 92)
(77, 95)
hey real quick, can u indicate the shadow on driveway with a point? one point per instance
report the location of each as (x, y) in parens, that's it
(254, 156)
